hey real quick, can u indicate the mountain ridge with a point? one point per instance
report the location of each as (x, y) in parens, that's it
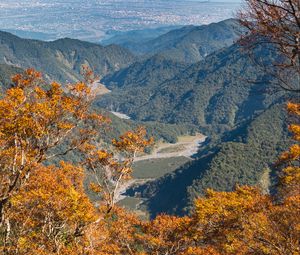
(62, 59)
(190, 43)
(216, 93)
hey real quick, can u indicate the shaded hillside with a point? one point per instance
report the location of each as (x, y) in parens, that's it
(135, 37)
(145, 74)
(215, 94)
(243, 156)
(190, 44)
(61, 59)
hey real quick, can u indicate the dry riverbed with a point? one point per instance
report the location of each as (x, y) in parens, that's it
(171, 157)
(186, 146)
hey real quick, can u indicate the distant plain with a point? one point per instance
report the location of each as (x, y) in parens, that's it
(94, 20)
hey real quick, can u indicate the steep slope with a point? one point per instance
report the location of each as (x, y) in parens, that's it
(190, 44)
(228, 97)
(61, 59)
(244, 156)
(144, 74)
(215, 94)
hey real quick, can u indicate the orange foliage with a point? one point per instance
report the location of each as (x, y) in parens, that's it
(49, 214)
(35, 118)
(133, 141)
(47, 211)
(165, 235)
(289, 181)
(111, 169)
(246, 222)
(276, 23)
(115, 233)
(44, 210)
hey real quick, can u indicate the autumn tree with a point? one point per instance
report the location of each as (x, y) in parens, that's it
(111, 169)
(39, 121)
(116, 234)
(36, 118)
(44, 209)
(246, 221)
(166, 234)
(50, 213)
(275, 23)
(289, 179)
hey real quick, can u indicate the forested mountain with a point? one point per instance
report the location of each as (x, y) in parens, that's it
(215, 94)
(145, 74)
(191, 148)
(231, 99)
(190, 44)
(159, 131)
(61, 59)
(245, 155)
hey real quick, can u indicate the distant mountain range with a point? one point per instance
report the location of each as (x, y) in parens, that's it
(129, 38)
(189, 44)
(61, 59)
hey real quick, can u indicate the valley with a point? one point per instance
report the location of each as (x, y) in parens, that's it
(147, 170)
(179, 83)
(163, 159)
(149, 127)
